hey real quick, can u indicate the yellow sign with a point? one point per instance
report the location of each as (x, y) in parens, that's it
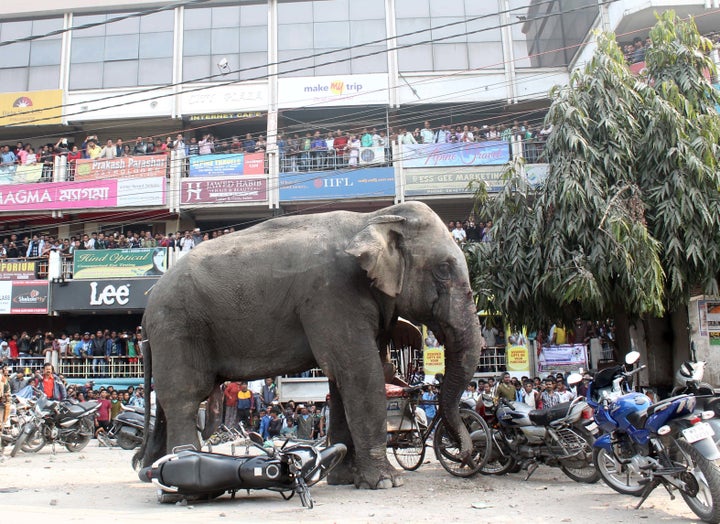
(31, 108)
(517, 356)
(433, 354)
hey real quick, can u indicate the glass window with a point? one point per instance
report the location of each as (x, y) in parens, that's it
(367, 31)
(98, 30)
(196, 43)
(86, 50)
(332, 34)
(122, 47)
(254, 64)
(155, 71)
(45, 77)
(330, 11)
(226, 17)
(488, 54)
(451, 8)
(295, 36)
(86, 76)
(484, 30)
(120, 74)
(376, 63)
(47, 25)
(225, 41)
(157, 22)
(254, 15)
(45, 52)
(197, 19)
(367, 10)
(293, 60)
(13, 79)
(454, 33)
(415, 59)
(195, 67)
(450, 57)
(253, 39)
(156, 45)
(16, 55)
(413, 8)
(128, 26)
(337, 68)
(295, 12)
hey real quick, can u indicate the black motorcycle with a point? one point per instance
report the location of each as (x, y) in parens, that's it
(68, 423)
(196, 475)
(127, 429)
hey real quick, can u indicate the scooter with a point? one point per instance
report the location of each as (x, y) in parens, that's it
(128, 428)
(649, 445)
(196, 475)
(20, 413)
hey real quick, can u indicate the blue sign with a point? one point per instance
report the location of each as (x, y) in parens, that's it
(491, 153)
(351, 183)
(217, 165)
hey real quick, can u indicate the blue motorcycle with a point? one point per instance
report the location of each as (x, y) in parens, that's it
(648, 445)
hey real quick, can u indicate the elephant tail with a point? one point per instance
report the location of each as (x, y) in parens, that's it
(154, 440)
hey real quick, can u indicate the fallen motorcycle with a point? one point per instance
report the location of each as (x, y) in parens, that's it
(20, 412)
(66, 422)
(195, 475)
(561, 436)
(645, 446)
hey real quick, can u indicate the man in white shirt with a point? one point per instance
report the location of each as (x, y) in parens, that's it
(459, 233)
(441, 137)
(187, 242)
(426, 134)
(406, 137)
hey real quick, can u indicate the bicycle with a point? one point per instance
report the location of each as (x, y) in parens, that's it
(407, 436)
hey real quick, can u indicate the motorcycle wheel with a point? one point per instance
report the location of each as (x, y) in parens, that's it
(497, 463)
(125, 440)
(447, 449)
(34, 442)
(616, 475)
(81, 437)
(582, 469)
(705, 503)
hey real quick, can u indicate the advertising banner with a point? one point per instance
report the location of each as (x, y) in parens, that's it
(372, 155)
(320, 185)
(227, 165)
(241, 97)
(80, 195)
(20, 174)
(18, 269)
(517, 354)
(433, 355)
(123, 167)
(31, 108)
(491, 153)
(23, 297)
(102, 295)
(573, 356)
(713, 322)
(119, 263)
(224, 191)
(420, 182)
(340, 90)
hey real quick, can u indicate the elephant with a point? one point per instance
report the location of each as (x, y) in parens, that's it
(298, 292)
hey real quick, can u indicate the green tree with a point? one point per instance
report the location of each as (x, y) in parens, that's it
(627, 224)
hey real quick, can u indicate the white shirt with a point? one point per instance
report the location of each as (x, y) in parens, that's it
(427, 135)
(459, 235)
(187, 244)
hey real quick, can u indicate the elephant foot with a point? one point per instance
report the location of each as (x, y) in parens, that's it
(341, 475)
(377, 474)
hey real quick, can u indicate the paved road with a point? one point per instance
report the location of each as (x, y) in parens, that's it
(98, 485)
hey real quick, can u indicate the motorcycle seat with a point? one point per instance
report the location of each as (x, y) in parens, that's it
(543, 417)
(659, 406)
(202, 472)
(79, 408)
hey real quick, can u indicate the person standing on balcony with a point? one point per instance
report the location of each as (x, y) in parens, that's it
(109, 151)
(318, 147)
(406, 137)
(35, 247)
(427, 134)
(99, 354)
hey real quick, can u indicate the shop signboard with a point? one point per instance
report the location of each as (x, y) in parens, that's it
(230, 164)
(119, 263)
(102, 294)
(18, 269)
(490, 153)
(13, 174)
(571, 356)
(368, 182)
(444, 181)
(230, 190)
(23, 297)
(337, 90)
(372, 155)
(31, 108)
(81, 195)
(147, 166)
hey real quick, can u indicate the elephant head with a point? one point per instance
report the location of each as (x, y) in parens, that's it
(414, 263)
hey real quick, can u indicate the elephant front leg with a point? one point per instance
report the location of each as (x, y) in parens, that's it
(358, 419)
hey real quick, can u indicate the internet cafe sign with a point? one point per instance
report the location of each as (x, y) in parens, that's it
(119, 263)
(102, 294)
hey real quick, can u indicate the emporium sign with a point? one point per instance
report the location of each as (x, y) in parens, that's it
(453, 155)
(22, 298)
(121, 167)
(227, 165)
(229, 190)
(18, 269)
(81, 195)
(119, 263)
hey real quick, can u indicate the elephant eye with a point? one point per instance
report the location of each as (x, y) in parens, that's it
(442, 271)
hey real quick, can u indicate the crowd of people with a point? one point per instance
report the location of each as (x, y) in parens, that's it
(464, 231)
(257, 406)
(39, 246)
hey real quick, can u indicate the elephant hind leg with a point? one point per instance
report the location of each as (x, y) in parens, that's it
(155, 443)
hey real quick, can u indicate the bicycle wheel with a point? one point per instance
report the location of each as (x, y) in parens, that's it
(447, 449)
(409, 448)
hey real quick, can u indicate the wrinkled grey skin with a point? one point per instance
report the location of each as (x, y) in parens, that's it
(304, 291)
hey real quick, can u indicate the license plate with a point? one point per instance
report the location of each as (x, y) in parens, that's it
(697, 432)
(592, 427)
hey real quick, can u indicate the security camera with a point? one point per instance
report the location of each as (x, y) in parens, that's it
(223, 66)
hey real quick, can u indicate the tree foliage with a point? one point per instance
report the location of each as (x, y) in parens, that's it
(628, 218)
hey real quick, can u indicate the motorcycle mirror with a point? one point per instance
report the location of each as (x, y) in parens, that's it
(632, 357)
(256, 438)
(574, 378)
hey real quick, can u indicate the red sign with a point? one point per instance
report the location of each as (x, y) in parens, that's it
(122, 167)
(254, 164)
(224, 191)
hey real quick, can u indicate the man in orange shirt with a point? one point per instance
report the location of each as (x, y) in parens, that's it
(51, 385)
(231, 397)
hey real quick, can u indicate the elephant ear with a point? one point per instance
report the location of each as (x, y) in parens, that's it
(378, 251)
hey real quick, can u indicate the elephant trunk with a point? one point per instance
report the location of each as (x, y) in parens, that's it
(462, 354)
